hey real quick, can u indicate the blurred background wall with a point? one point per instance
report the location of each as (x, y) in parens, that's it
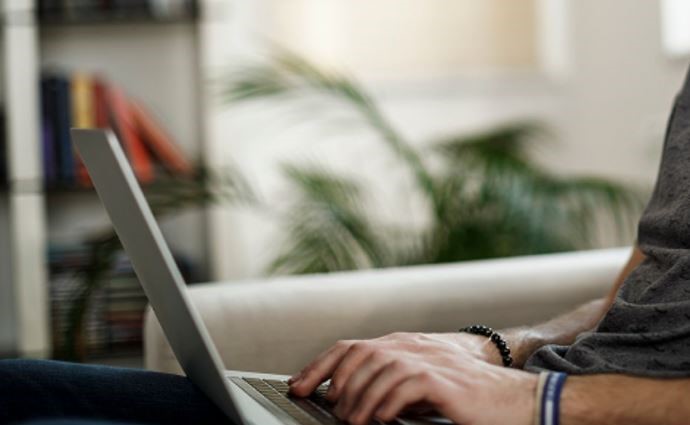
(595, 72)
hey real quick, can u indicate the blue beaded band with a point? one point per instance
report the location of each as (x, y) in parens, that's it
(550, 406)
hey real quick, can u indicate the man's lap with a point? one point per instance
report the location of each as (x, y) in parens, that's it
(49, 390)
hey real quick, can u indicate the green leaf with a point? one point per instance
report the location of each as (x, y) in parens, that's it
(327, 227)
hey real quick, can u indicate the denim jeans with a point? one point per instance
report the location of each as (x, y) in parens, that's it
(58, 393)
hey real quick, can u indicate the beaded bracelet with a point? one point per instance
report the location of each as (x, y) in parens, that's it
(495, 337)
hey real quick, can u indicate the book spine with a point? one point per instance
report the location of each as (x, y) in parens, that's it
(50, 174)
(129, 137)
(160, 143)
(83, 117)
(52, 97)
(63, 136)
(102, 120)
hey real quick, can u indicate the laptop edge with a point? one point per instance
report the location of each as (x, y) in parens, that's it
(153, 263)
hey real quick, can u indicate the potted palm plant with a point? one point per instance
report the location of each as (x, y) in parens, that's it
(487, 198)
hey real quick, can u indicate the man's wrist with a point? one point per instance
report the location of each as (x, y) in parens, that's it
(520, 342)
(496, 338)
(523, 341)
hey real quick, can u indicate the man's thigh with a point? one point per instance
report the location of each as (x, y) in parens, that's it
(39, 389)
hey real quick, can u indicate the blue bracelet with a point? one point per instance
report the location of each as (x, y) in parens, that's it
(549, 413)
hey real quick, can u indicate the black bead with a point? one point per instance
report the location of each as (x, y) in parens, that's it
(500, 343)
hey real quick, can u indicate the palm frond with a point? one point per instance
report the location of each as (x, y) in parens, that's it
(327, 226)
(504, 147)
(290, 74)
(491, 187)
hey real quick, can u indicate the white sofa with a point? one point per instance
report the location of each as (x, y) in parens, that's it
(278, 324)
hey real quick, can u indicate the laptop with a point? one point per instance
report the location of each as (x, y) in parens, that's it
(245, 397)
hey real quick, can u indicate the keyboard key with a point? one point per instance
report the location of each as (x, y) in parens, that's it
(315, 410)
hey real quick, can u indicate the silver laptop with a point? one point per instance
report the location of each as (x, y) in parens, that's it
(246, 398)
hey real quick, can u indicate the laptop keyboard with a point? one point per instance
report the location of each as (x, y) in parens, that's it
(314, 410)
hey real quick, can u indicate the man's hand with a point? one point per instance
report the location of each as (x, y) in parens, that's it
(343, 358)
(452, 373)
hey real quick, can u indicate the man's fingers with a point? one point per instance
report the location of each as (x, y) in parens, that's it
(425, 386)
(305, 382)
(364, 374)
(350, 362)
(379, 387)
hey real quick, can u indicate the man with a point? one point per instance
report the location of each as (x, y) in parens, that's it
(628, 355)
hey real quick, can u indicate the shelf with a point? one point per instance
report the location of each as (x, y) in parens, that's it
(145, 12)
(112, 19)
(63, 190)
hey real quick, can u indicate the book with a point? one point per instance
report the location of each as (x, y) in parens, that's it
(100, 105)
(63, 112)
(89, 101)
(50, 172)
(58, 160)
(115, 315)
(125, 126)
(83, 116)
(113, 323)
(160, 143)
(82, 101)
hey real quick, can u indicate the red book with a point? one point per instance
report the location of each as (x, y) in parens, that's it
(160, 144)
(100, 104)
(126, 128)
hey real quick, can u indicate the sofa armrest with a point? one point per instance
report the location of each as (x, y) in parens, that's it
(276, 325)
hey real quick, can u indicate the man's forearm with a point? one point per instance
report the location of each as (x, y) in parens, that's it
(618, 399)
(562, 330)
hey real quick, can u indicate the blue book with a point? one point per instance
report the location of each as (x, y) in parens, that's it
(62, 131)
(50, 163)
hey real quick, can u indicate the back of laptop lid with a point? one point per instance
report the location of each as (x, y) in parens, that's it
(153, 263)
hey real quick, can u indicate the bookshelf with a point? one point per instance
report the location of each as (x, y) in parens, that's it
(25, 209)
(159, 59)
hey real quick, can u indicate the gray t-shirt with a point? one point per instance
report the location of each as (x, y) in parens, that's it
(647, 330)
